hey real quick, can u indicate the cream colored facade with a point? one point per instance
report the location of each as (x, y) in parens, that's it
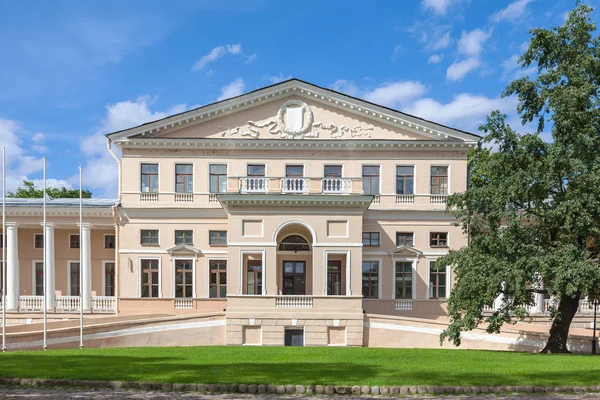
(288, 209)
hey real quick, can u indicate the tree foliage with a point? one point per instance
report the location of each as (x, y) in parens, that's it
(30, 191)
(532, 212)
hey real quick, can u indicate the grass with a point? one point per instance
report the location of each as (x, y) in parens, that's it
(307, 366)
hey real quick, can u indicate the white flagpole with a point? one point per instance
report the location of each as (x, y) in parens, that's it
(3, 249)
(45, 270)
(80, 260)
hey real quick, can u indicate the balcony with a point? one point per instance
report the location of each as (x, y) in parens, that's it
(67, 304)
(254, 185)
(294, 185)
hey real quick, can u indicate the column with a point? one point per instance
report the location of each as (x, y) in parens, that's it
(538, 283)
(49, 290)
(12, 268)
(86, 267)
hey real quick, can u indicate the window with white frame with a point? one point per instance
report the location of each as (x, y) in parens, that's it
(74, 271)
(404, 239)
(438, 239)
(149, 178)
(74, 241)
(149, 236)
(217, 178)
(403, 280)
(217, 238)
(184, 273)
(370, 279)
(370, 175)
(109, 241)
(437, 281)
(218, 278)
(109, 279)
(39, 279)
(184, 176)
(439, 180)
(38, 241)
(184, 237)
(405, 179)
(149, 278)
(370, 239)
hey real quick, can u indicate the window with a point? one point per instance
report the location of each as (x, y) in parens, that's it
(184, 176)
(294, 278)
(218, 278)
(109, 241)
(439, 180)
(294, 243)
(403, 280)
(254, 277)
(217, 238)
(294, 171)
(184, 278)
(404, 180)
(293, 183)
(218, 178)
(149, 236)
(370, 238)
(109, 279)
(149, 178)
(438, 239)
(370, 179)
(437, 282)
(255, 170)
(333, 171)
(404, 239)
(39, 278)
(184, 237)
(370, 279)
(74, 272)
(334, 278)
(149, 278)
(73, 241)
(38, 241)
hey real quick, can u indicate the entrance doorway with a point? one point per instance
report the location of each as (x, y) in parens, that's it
(294, 337)
(294, 277)
(334, 278)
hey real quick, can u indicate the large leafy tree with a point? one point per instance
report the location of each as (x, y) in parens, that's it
(30, 191)
(532, 213)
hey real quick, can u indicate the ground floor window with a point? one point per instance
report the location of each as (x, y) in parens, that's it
(254, 277)
(184, 278)
(218, 278)
(370, 279)
(149, 271)
(74, 271)
(437, 281)
(294, 337)
(334, 278)
(294, 278)
(109, 279)
(403, 280)
(39, 278)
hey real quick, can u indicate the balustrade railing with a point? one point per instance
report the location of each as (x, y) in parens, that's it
(67, 303)
(405, 199)
(183, 303)
(31, 303)
(254, 185)
(438, 199)
(212, 198)
(295, 185)
(336, 185)
(293, 301)
(403, 305)
(103, 303)
(184, 197)
(148, 197)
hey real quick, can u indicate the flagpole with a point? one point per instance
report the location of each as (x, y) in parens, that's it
(80, 260)
(3, 249)
(45, 270)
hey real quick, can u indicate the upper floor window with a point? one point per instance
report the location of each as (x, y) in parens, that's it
(294, 171)
(439, 180)
(333, 171)
(437, 281)
(370, 176)
(404, 239)
(294, 243)
(370, 238)
(217, 238)
(256, 170)
(370, 279)
(109, 279)
(438, 239)
(149, 178)
(73, 241)
(405, 180)
(38, 241)
(149, 236)
(109, 241)
(184, 176)
(218, 178)
(184, 237)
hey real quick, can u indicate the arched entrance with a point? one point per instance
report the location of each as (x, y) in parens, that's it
(294, 260)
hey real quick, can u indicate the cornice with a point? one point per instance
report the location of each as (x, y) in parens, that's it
(295, 200)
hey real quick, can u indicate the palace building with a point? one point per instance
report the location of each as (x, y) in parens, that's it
(290, 215)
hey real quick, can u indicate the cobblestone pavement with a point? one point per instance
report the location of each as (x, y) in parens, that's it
(109, 394)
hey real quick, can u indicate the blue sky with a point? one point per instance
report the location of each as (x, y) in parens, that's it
(72, 71)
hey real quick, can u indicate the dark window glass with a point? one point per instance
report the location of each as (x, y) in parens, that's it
(370, 179)
(404, 180)
(294, 278)
(74, 241)
(437, 282)
(74, 272)
(149, 278)
(39, 278)
(109, 241)
(217, 238)
(218, 178)
(294, 171)
(254, 277)
(38, 241)
(255, 170)
(438, 239)
(370, 279)
(184, 237)
(184, 278)
(333, 171)
(149, 236)
(294, 243)
(404, 239)
(218, 278)
(403, 280)
(334, 278)
(149, 178)
(184, 177)
(109, 279)
(439, 180)
(370, 238)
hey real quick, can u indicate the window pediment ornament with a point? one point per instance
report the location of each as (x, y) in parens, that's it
(183, 248)
(405, 250)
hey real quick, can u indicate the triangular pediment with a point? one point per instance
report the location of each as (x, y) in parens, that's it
(183, 249)
(405, 251)
(294, 110)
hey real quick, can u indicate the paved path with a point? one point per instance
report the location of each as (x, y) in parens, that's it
(109, 394)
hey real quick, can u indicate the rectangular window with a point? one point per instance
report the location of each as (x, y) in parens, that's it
(184, 237)
(184, 278)
(218, 178)
(254, 277)
(404, 239)
(149, 236)
(184, 176)
(438, 239)
(39, 278)
(217, 238)
(333, 171)
(109, 241)
(294, 171)
(370, 279)
(218, 278)
(109, 279)
(149, 278)
(73, 241)
(38, 241)
(334, 278)
(256, 170)
(437, 282)
(370, 176)
(149, 178)
(439, 180)
(370, 238)
(405, 180)
(403, 280)
(74, 272)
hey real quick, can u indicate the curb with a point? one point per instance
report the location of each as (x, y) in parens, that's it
(299, 389)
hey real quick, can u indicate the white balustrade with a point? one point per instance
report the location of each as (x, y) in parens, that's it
(149, 197)
(488, 309)
(337, 185)
(438, 199)
(103, 303)
(67, 303)
(184, 303)
(376, 199)
(293, 301)
(585, 307)
(405, 199)
(295, 185)
(31, 303)
(254, 185)
(184, 197)
(403, 305)
(212, 198)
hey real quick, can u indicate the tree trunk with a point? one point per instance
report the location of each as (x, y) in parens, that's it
(559, 332)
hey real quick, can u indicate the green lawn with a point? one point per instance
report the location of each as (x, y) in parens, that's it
(297, 365)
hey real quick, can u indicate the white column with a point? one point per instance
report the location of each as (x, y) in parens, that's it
(500, 299)
(49, 290)
(86, 267)
(538, 283)
(348, 277)
(12, 268)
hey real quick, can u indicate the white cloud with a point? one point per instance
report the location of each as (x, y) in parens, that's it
(439, 7)
(471, 43)
(346, 87)
(396, 52)
(251, 58)
(435, 59)
(459, 69)
(234, 88)
(277, 78)
(431, 34)
(217, 53)
(394, 94)
(511, 12)
(512, 69)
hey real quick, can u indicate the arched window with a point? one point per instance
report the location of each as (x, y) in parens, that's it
(294, 243)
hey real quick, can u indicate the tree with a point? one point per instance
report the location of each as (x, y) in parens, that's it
(30, 191)
(532, 213)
